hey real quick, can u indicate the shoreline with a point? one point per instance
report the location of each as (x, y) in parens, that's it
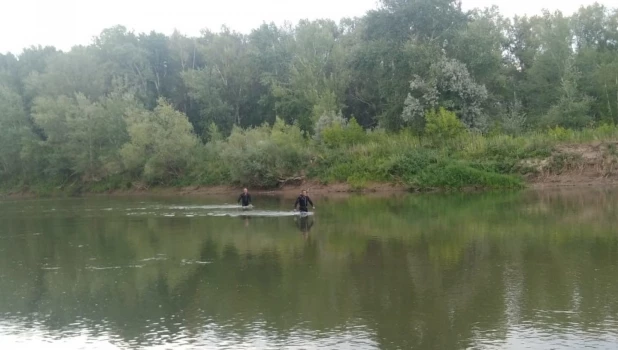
(314, 189)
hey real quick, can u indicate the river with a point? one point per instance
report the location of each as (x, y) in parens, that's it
(507, 270)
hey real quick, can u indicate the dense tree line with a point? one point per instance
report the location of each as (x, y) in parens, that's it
(141, 104)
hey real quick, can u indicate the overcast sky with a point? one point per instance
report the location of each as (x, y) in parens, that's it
(64, 23)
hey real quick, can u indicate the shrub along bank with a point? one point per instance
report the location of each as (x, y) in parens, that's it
(444, 157)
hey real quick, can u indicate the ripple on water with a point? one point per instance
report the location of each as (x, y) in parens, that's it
(50, 268)
(555, 336)
(97, 268)
(207, 207)
(258, 213)
(191, 262)
(155, 258)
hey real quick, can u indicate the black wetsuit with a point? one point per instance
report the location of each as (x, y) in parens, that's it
(302, 201)
(245, 198)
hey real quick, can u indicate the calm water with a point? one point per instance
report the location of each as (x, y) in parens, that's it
(483, 271)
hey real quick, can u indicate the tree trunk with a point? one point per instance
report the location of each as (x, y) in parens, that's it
(609, 105)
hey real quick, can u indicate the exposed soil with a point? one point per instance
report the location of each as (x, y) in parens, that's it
(578, 165)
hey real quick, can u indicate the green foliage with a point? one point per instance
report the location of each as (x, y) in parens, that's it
(573, 108)
(343, 134)
(348, 168)
(560, 134)
(358, 100)
(262, 156)
(448, 84)
(405, 167)
(161, 144)
(460, 175)
(82, 137)
(15, 135)
(442, 125)
(514, 119)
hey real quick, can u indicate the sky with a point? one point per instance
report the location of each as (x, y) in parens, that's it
(65, 23)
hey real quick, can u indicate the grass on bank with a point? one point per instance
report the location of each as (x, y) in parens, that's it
(266, 156)
(346, 153)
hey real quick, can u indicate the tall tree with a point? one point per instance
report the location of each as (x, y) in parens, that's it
(542, 84)
(317, 76)
(401, 39)
(161, 145)
(124, 59)
(15, 132)
(83, 138)
(77, 71)
(221, 87)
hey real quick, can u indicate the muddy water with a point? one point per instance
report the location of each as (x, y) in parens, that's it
(488, 271)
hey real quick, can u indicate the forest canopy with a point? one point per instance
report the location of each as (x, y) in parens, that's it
(227, 106)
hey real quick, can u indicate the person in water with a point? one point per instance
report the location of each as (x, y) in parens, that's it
(245, 198)
(302, 202)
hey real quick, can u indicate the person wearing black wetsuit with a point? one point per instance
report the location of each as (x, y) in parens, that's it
(245, 198)
(302, 202)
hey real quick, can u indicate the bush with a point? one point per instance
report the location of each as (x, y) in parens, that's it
(406, 166)
(339, 134)
(443, 125)
(209, 168)
(458, 175)
(262, 156)
(368, 169)
(327, 120)
(161, 144)
(560, 134)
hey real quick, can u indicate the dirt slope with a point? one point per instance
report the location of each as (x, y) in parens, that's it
(592, 164)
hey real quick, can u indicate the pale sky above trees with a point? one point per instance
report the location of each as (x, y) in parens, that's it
(64, 23)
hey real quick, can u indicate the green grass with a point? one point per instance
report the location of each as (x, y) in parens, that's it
(454, 175)
(467, 160)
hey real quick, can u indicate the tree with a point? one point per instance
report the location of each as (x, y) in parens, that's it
(592, 28)
(595, 32)
(398, 41)
(541, 88)
(9, 72)
(161, 145)
(124, 58)
(83, 138)
(270, 54)
(450, 85)
(573, 108)
(482, 46)
(33, 60)
(221, 88)
(14, 133)
(65, 114)
(317, 76)
(77, 71)
(442, 125)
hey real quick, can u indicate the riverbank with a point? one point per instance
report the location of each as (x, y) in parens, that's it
(375, 163)
(555, 182)
(314, 189)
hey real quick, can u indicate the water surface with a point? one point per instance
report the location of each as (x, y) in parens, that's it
(480, 271)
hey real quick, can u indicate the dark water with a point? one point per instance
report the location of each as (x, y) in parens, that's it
(483, 271)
